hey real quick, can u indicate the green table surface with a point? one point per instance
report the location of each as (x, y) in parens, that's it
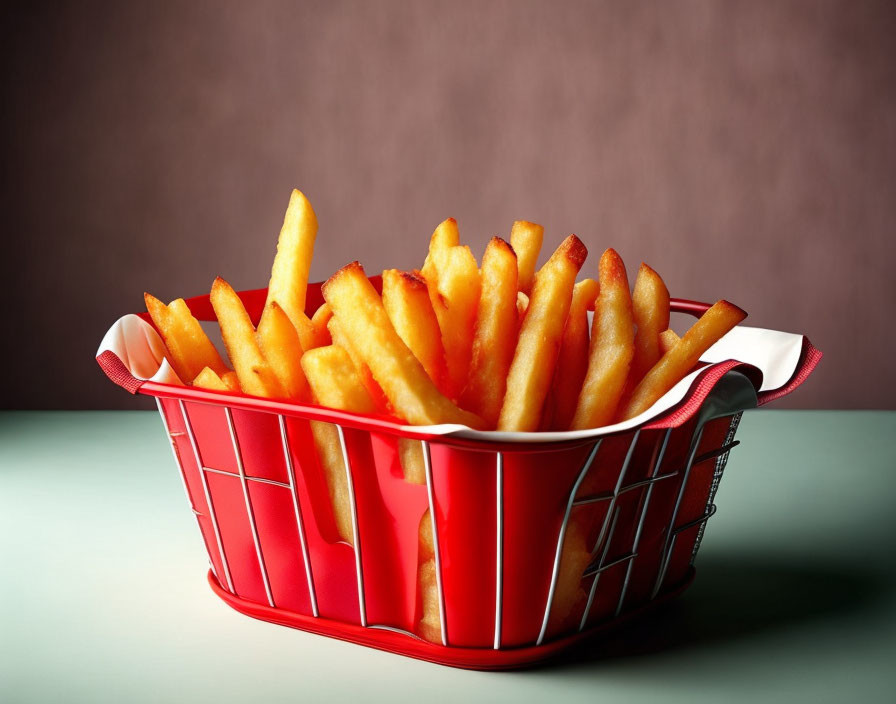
(103, 595)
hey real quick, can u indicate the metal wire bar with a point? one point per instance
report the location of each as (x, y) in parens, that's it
(639, 529)
(622, 473)
(183, 479)
(427, 464)
(249, 511)
(499, 548)
(695, 442)
(717, 475)
(393, 629)
(560, 537)
(300, 524)
(208, 498)
(362, 606)
(596, 498)
(261, 480)
(597, 573)
(597, 569)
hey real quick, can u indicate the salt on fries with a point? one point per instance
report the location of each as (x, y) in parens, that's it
(505, 346)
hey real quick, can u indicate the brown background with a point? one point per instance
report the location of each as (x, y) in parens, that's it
(746, 149)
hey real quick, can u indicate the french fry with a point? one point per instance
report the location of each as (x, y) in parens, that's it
(678, 361)
(445, 236)
(612, 347)
(572, 360)
(364, 373)
(539, 341)
(526, 239)
(319, 322)
(360, 314)
(455, 299)
(522, 305)
(406, 300)
(495, 333)
(329, 452)
(207, 379)
(282, 350)
(569, 595)
(335, 381)
(668, 340)
(231, 381)
(430, 625)
(254, 373)
(650, 308)
(189, 347)
(292, 264)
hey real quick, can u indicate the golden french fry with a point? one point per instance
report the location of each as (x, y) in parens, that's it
(677, 362)
(406, 300)
(522, 305)
(364, 373)
(430, 625)
(572, 360)
(569, 596)
(253, 371)
(495, 334)
(335, 384)
(231, 380)
(526, 239)
(612, 347)
(282, 350)
(207, 379)
(189, 347)
(335, 381)
(455, 299)
(410, 455)
(443, 237)
(539, 341)
(359, 311)
(319, 322)
(650, 308)
(295, 247)
(668, 340)
(329, 452)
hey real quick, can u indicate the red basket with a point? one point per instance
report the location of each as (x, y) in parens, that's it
(500, 512)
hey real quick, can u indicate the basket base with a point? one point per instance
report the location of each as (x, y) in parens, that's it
(465, 658)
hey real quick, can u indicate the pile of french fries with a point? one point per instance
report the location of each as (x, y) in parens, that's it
(493, 345)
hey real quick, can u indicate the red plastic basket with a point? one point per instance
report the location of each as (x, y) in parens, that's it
(500, 513)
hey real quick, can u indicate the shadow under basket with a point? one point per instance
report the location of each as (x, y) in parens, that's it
(501, 514)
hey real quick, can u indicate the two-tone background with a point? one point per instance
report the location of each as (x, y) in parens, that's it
(746, 150)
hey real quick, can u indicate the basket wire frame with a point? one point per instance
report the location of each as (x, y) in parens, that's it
(599, 565)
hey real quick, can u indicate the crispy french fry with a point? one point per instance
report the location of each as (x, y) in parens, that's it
(335, 381)
(668, 340)
(572, 361)
(430, 625)
(207, 379)
(282, 350)
(295, 247)
(539, 341)
(335, 384)
(360, 314)
(526, 239)
(189, 347)
(497, 324)
(569, 596)
(406, 300)
(522, 305)
(329, 452)
(445, 236)
(253, 371)
(319, 322)
(231, 381)
(650, 308)
(455, 299)
(678, 361)
(364, 373)
(612, 347)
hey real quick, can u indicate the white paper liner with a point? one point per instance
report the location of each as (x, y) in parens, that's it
(776, 354)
